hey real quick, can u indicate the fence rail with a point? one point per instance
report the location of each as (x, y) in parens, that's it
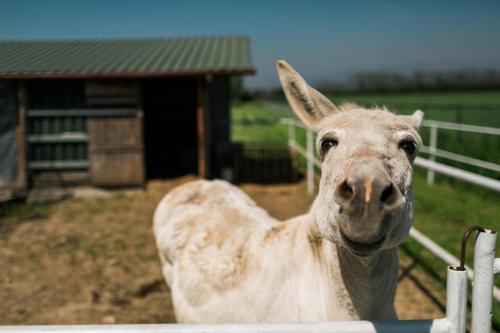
(428, 164)
(406, 326)
(434, 152)
(461, 127)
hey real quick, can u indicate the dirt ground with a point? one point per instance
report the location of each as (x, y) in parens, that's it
(93, 260)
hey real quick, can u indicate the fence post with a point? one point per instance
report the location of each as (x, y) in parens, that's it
(432, 151)
(456, 299)
(484, 258)
(310, 166)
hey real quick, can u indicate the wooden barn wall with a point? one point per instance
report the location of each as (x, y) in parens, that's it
(63, 150)
(75, 102)
(217, 122)
(55, 94)
(56, 147)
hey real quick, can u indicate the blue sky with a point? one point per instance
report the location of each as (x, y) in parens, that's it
(324, 40)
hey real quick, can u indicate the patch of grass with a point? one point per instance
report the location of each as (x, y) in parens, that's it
(444, 212)
(15, 213)
(270, 131)
(19, 209)
(241, 131)
(466, 98)
(252, 111)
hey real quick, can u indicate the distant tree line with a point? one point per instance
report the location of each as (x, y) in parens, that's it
(385, 81)
(465, 79)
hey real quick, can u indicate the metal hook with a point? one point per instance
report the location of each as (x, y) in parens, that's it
(464, 244)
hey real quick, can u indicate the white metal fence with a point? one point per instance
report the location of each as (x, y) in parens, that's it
(434, 151)
(429, 164)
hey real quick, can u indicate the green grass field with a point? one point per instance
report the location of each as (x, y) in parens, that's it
(444, 210)
(445, 106)
(477, 108)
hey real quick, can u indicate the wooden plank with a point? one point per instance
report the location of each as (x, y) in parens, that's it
(63, 137)
(116, 151)
(200, 123)
(58, 165)
(113, 132)
(111, 87)
(117, 169)
(112, 100)
(112, 92)
(112, 112)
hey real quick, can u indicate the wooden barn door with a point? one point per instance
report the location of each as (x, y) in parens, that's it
(116, 150)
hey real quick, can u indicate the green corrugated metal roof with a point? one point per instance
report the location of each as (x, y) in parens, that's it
(125, 57)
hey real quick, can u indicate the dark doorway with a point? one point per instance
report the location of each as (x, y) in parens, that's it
(170, 134)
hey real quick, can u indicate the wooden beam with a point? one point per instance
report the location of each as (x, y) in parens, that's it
(111, 112)
(200, 122)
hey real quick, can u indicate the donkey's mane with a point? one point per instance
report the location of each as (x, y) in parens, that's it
(350, 106)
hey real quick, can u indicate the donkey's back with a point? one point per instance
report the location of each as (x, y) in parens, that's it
(202, 229)
(227, 260)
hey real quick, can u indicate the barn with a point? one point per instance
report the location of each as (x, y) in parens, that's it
(116, 112)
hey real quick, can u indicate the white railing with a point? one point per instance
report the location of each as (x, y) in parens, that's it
(454, 322)
(434, 152)
(428, 164)
(409, 326)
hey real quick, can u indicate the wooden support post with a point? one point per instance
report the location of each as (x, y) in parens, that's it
(200, 121)
(21, 132)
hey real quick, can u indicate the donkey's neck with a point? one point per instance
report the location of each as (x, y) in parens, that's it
(368, 283)
(364, 286)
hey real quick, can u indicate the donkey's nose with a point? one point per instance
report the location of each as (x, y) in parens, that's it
(368, 191)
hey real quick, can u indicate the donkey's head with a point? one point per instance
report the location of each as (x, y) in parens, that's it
(364, 200)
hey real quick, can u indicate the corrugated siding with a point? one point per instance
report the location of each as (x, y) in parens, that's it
(156, 56)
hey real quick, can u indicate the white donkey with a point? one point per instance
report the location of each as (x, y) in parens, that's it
(227, 260)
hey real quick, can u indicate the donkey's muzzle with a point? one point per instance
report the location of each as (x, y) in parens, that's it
(368, 190)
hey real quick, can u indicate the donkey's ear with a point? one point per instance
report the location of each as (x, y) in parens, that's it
(415, 120)
(308, 104)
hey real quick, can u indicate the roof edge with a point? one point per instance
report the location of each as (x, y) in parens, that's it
(118, 39)
(58, 75)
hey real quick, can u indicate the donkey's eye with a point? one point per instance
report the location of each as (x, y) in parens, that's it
(327, 144)
(408, 146)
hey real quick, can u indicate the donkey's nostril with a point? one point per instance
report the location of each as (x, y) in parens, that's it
(345, 191)
(387, 193)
